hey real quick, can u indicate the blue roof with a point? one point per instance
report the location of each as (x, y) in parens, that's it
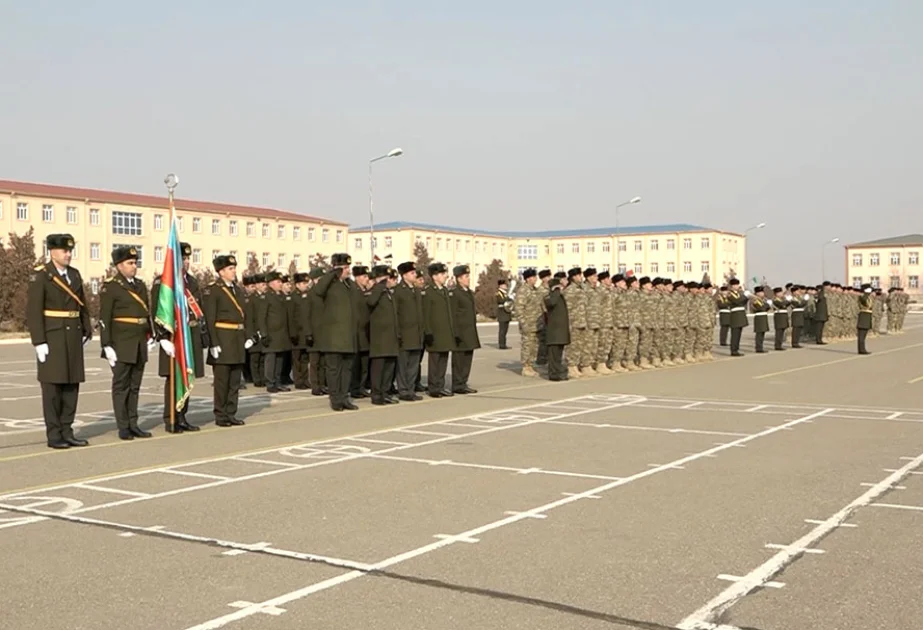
(603, 231)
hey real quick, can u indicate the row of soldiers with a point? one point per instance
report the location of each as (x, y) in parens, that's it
(603, 324)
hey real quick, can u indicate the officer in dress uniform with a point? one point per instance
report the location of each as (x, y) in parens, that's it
(864, 320)
(504, 313)
(798, 305)
(780, 318)
(558, 327)
(409, 302)
(738, 321)
(724, 315)
(126, 338)
(195, 333)
(760, 308)
(59, 327)
(301, 324)
(316, 363)
(338, 338)
(464, 314)
(275, 331)
(359, 381)
(384, 346)
(231, 336)
(254, 306)
(438, 330)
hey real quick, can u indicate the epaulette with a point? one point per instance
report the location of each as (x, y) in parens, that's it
(112, 279)
(39, 267)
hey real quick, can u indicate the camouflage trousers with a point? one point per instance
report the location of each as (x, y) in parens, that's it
(606, 335)
(646, 344)
(619, 345)
(704, 338)
(676, 343)
(633, 349)
(593, 344)
(688, 337)
(578, 350)
(528, 354)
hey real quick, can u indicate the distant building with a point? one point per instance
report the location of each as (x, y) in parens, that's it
(100, 220)
(886, 263)
(680, 252)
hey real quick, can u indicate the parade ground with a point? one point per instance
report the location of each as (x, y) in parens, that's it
(781, 491)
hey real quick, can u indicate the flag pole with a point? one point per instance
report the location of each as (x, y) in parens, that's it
(171, 181)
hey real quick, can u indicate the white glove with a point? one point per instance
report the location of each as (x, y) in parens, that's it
(788, 298)
(151, 345)
(747, 293)
(248, 344)
(41, 351)
(110, 355)
(167, 346)
(215, 351)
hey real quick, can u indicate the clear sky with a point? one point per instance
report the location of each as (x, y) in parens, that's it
(512, 114)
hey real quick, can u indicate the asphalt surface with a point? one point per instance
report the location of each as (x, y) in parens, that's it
(778, 491)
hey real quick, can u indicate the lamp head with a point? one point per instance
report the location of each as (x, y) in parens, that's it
(835, 240)
(635, 200)
(171, 181)
(760, 225)
(395, 152)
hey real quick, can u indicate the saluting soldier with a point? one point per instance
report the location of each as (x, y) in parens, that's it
(231, 335)
(438, 330)
(464, 314)
(338, 338)
(384, 346)
(59, 327)
(760, 308)
(195, 331)
(558, 328)
(125, 336)
(359, 381)
(738, 303)
(409, 302)
(504, 312)
(301, 324)
(780, 318)
(275, 332)
(864, 319)
(316, 363)
(798, 305)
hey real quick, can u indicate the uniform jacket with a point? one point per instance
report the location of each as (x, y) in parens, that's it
(125, 318)
(274, 323)
(557, 332)
(227, 325)
(438, 319)
(338, 326)
(465, 317)
(383, 341)
(409, 303)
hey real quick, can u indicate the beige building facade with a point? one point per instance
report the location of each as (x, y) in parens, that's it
(101, 220)
(680, 252)
(886, 263)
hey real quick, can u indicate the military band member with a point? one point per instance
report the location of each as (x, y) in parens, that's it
(255, 306)
(798, 304)
(384, 346)
(464, 314)
(438, 330)
(231, 335)
(760, 308)
(275, 331)
(558, 328)
(359, 381)
(338, 336)
(301, 323)
(864, 320)
(409, 303)
(780, 318)
(724, 315)
(316, 362)
(504, 313)
(738, 303)
(59, 327)
(195, 335)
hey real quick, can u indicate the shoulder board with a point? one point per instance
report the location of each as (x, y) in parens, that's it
(39, 267)
(112, 279)
(213, 283)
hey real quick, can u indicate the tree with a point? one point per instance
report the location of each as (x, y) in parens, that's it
(319, 261)
(253, 265)
(19, 261)
(423, 259)
(485, 302)
(731, 273)
(706, 278)
(292, 270)
(205, 276)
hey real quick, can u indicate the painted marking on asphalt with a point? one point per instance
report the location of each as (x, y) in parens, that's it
(915, 472)
(526, 514)
(674, 467)
(692, 405)
(895, 415)
(522, 471)
(737, 578)
(802, 550)
(388, 442)
(581, 495)
(757, 408)
(189, 473)
(872, 485)
(87, 486)
(898, 506)
(268, 610)
(419, 432)
(458, 538)
(268, 462)
(814, 521)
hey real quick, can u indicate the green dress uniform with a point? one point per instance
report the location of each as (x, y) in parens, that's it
(359, 379)
(504, 314)
(59, 326)
(275, 330)
(317, 366)
(780, 317)
(229, 332)
(760, 308)
(301, 324)
(558, 331)
(798, 306)
(338, 338)
(724, 316)
(737, 301)
(464, 314)
(438, 333)
(821, 314)
(195, 334)
(254, 305)
(864, 320)
(384, 345)
(409, 302)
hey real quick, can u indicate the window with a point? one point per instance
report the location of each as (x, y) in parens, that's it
(47, 213)
(388, 242)
(280, 231)
(72, 215)
(671, 267)
(857, 260)
(638, 268)
(325, 235)
(251, 230)
(22, 211)
(232, 227)
(913, 282)
(895, 282)
(158, 254)
(196, 225)
(527, 252)
(622, 268)
(913, 258)
(895, 258)
(467, 245)
(705, 266)
(180, 223)
(94, 251)
(94, 216)
(875, 281)
(655, 267)
(339, 236)
(1, 209)
(623, 246)
(197, 256)
(873, 260)
(216, 227)
(706, 242)
(75, 251)
(137, 247)
(281, 261)
(94, 286)
(311, 235)
(591, 248)
(607, 247)
(128, 223)
(639, 246)
(297, 260)
(560, 248)
(265, 259)
(357, 243)
(158, 222)
(654, 245)
(671, 243)
(296, 232)
(606, 267)
(233, 253)
(575, 248)
(687, 266)
(856, 282)
(687, 243)
(265, 231)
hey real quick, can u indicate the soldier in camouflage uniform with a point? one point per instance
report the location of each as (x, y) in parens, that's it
(528, 309)
(706, 323)
(633, 307)
(878, 306)
(544, 279)
(680, 297)
(622, 305)
(595, 304)
(672, 318)
(648, 309)
(575, 296)
(607, 319)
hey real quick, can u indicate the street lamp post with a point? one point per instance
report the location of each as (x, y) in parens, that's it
(617, 251)
(823, 257)
(390, 154)
(758, 226)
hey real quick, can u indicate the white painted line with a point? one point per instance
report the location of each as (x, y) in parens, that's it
(459, 538)
(895, 415)
(87, 486)
(814, 521)
(189, 473)
(757, 408)
(126, 534)
(234, 552)
(388, 442)
(737, 578)
(769, 426)
(915, 472)
(581, 495)
(528, 471)
(872, 485)
(220, 622)
(735, 446)
(815, 551)
(645, 428)
(677, 467)
(898, 506)
(783, 558)
(268, 610)
(692, 405)
(522, 471)
(460, 424)
(418, 432)
(268, 462)
(526, 514)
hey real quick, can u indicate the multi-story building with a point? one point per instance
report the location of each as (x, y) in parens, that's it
(680, 252)
(886, 263)
(101, 220)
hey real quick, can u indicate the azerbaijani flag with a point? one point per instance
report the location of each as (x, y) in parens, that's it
(173, 314)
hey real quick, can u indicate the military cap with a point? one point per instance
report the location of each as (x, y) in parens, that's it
(392, 273)
(360, 270)
(273, 275)
(723, 287)
(437, 267)
(556, 281)
(618, 277)
(502, 282)
(544, 273)
(259, 278)
(123, 253)
(461, 270)
(678, 284)
(789, 286)
(758, 289)
(560, 275)
(59, 241)
(341, 260)
(733, 282)
(603, 275)
(825, 283)
(666, 281)
(247, 281)
(576, 271)
(405, 267)
(286, 278)
(378, 271)
(316, 273)
(301, 277)
(656, 282)
(777, 290)
(528, 273)
(644, 280)
(706, 285)
(186, 249)
(692, 285)
(220, 262)
(589, 272)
